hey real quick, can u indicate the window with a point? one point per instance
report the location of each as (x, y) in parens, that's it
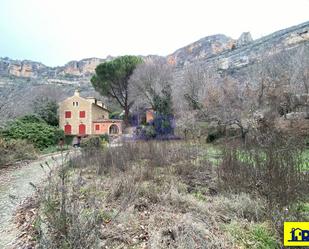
(75, 103)
(67, 114)
(97, 127)
(82, 114)
(67, 129)
(82, 129)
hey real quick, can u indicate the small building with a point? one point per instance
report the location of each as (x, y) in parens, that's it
(86, 116)
(150, 115)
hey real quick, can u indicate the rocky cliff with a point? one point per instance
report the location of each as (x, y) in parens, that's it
(32, 69)
(226, 53)
(219, 50)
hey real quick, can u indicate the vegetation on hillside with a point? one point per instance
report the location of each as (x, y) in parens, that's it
(46, 109)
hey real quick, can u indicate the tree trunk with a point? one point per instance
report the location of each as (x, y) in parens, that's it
(243, 133)
(126, 116)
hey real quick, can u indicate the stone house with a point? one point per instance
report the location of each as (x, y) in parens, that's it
(86, 116)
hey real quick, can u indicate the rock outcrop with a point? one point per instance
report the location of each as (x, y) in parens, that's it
(244, 39)
(219, 51)
(204, 48)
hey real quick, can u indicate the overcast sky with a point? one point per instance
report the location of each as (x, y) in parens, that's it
(57, 31)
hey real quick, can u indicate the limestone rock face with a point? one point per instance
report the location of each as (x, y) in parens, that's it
(298, 37)
(204, 48)
(252, 51)
(31, 69)
(218, 51)
(81, 68)
(244, 39)
(26, 69)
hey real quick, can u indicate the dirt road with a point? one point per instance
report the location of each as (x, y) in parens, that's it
(15, 187)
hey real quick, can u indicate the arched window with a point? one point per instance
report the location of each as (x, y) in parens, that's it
(82, 129)
(113, 129)
(67, 129)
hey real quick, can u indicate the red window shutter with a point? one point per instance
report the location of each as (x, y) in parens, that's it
(67, 129)
(97, 127)
(68, 114)
(82, 114)
(82, 129)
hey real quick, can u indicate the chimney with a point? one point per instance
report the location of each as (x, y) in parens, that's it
(76, 93)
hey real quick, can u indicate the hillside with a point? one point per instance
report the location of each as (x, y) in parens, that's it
(218, 50)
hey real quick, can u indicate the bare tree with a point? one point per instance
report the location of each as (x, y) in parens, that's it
(150, 80)
(231, 103)
(17, 99)
(300, 66)
(278, 80)
(9, 95)
(190, 89)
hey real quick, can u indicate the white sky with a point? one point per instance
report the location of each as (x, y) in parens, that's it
(57, 31)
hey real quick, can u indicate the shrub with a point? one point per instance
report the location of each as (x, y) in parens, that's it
(163, 124)
(162, 127)
(15, 150)
(93, 144)
(63, 220)
(275, 172)
(68, 139)
(34, 130)
(215, 133)
(115, 115)
(104, 137)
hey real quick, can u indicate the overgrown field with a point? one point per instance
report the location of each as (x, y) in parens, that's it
(168, 195)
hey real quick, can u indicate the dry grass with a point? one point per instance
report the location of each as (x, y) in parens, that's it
(142, 195)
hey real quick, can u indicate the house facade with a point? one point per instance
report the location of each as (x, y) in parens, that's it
(86, 116)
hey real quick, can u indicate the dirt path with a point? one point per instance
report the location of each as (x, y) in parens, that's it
(15, 187)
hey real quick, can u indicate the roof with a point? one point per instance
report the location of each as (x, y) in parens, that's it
(86, 99)
(107, 121)
(101, 107)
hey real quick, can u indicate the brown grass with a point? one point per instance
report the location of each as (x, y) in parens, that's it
(141, 195)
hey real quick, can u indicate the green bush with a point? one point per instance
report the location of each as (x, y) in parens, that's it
(215, 133)
(68, 139)
(115, 115)
(46, 109)
(91, 142)
(104, 137)
(90, 145)
(212, 136)
(34, 130)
